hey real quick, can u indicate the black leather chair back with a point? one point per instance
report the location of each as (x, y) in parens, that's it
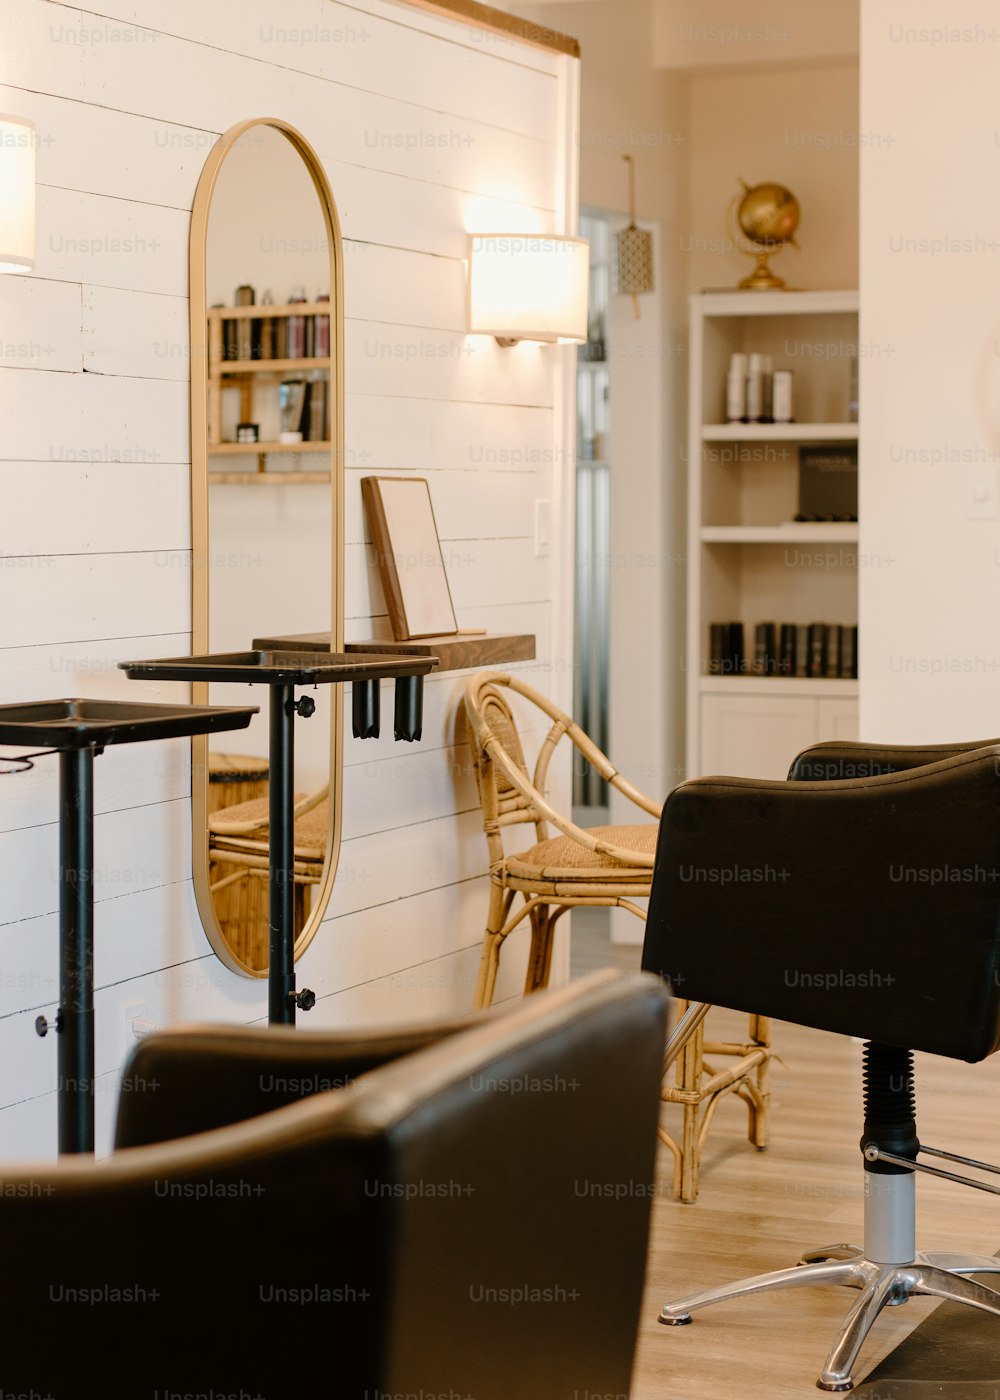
(868, 905)
(470, 1219)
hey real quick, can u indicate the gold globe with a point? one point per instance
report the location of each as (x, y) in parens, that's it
(767, 216)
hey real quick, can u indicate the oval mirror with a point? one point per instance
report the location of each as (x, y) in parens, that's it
(267, 511)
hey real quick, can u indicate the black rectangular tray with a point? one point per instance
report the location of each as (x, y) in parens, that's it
(280, 667)
(83, 724)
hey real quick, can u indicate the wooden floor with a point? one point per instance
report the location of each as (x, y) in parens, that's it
(758, 1210)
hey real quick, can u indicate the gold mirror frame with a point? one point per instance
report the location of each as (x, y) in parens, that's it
(200, 639)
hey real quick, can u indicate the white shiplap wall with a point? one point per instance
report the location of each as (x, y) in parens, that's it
(428, 129)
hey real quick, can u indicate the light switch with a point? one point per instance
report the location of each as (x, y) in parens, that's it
(543, 528)
(982, 492)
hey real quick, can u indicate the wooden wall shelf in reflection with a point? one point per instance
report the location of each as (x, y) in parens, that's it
(266, 478)
(272, 366)
(246, 449)
(461, 652)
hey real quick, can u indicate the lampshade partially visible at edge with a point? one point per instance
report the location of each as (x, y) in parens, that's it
(528, 286)
(17, 194)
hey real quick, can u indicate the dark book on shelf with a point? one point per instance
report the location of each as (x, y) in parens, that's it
(734, 662)
(765, 659)
(786, 655)
(832, 664)
(849, 652)
(817, 649)
(304, 416)
(317, 409)
(801, 649)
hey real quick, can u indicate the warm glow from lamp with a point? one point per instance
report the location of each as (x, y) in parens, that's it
(526, 286)
(17, 194)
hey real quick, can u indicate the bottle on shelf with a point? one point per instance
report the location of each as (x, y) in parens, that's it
(781, 396)
(736, 389)
(758, 408)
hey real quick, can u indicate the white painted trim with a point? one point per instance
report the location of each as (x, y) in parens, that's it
(564, 399)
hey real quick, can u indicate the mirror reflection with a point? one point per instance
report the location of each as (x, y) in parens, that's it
(271, 413)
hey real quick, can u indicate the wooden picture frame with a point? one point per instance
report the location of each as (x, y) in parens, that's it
(408, 552)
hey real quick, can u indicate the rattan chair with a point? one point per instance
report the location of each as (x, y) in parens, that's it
(604, 865)
(238, 857)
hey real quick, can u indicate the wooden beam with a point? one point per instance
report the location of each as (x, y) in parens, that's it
(500, 22)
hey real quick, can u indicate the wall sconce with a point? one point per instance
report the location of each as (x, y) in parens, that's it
(528, 287)
(17, 194)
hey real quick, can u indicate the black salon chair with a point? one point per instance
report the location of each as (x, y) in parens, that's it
(862, 896)
(469, 1219)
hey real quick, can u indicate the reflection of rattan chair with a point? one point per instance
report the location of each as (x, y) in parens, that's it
(238, 855)
(235, 778)
(605, 865)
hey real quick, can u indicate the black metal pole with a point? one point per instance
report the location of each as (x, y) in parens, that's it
(76, 951)
(281, 876)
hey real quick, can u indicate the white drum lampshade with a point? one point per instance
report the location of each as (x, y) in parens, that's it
(528, 287)
(17, 194)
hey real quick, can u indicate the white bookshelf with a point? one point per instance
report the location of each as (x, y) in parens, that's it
(748, 560)
(779, 432)
(797, 532)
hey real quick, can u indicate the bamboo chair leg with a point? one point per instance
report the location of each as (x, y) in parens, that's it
(543, 939)
(689, 1079)
(489, 962)
(760, 1111)
(539, 955)
(554, 918)
(489, 967)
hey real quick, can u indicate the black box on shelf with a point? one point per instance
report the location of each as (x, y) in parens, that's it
(828, 482)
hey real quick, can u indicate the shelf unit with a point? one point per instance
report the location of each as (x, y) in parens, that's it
(246, 375)
(748, 560)
(779, 432)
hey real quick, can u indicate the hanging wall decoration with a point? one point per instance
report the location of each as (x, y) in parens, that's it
(633, 265)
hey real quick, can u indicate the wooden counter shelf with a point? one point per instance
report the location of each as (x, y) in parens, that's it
(460, 652)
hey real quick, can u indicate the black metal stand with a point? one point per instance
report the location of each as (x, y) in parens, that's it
(79, 730)
(281, 875)
(282, 998)
(281, 671)
(75, 1021)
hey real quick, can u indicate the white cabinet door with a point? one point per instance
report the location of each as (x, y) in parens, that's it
(837, 719)
(755, 736)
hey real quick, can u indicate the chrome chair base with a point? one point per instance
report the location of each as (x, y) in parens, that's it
(935, 1275)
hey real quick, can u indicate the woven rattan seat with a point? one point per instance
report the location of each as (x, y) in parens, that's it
(239, 859)
(228, 828)
(562, 858)
(601, 865)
